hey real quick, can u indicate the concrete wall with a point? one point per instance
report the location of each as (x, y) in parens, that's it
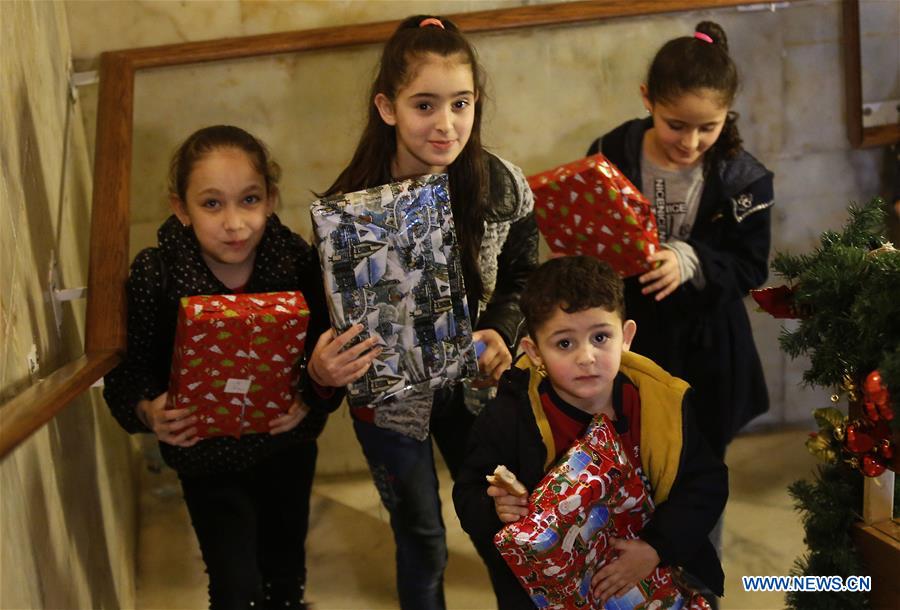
(553, 90)
(67, 496)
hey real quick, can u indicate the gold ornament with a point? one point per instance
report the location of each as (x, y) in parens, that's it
(850, 387)
(835, 397)
(839, 433)
(829, 418)
(820, 446)
(885, 248)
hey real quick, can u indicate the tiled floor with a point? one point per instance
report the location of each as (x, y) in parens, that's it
(350, 550)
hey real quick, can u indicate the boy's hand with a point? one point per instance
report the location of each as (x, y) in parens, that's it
(495, 358)
(290, 420)
(636, 560)
(665, 278)
(509, 507)
(329, 366)
(172, 426)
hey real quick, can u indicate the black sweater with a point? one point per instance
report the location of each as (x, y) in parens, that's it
(159, 277)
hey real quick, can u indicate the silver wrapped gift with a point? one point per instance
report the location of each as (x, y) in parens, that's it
(390, 260)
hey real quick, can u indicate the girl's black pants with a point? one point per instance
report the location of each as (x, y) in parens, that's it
(252, 526)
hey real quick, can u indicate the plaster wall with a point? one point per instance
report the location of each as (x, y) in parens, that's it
(67, 494)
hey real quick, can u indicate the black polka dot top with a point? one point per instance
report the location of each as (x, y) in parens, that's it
(159, 277)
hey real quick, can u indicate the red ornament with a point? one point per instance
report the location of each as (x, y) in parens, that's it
(876, 399)
(779, 302)
(872, 466)
(871, 411)
(858, 441)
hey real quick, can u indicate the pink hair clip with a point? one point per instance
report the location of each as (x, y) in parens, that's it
(703, 37)
(433, 21)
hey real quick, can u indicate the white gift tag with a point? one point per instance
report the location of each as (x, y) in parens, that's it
(237, 386)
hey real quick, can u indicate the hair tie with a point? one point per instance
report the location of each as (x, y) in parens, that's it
(703, 37)
(434, 21)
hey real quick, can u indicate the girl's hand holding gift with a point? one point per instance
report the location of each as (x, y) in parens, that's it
(172, 426)
(495, 358)
(665, 277)
(333, 366)
(635, 560)
(290, 420)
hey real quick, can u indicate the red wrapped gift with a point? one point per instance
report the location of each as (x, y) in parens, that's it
(589, 207)
(235, 359)
(593, 494)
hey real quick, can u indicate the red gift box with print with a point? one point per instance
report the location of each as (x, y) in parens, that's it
(589, 207)
(593, 494)
(236, 357)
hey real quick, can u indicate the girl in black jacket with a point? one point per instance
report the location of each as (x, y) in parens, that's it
(248, 497)
(712, 201)
(425, 118)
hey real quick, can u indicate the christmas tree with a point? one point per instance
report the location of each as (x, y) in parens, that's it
(846, 294)
(850, 289)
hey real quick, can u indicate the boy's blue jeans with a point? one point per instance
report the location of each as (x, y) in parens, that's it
(404, 473)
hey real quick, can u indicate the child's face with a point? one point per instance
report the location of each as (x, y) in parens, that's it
(685, 128)
(432, 114)
(226, 203)
(581, 352)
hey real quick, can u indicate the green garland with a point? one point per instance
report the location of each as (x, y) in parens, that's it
(846, 291)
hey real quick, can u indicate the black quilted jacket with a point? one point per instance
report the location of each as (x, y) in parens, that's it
(159, 277)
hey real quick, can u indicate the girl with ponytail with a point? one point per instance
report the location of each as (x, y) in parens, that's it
(712, 201)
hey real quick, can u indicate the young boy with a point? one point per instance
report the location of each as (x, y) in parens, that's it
(577, 365)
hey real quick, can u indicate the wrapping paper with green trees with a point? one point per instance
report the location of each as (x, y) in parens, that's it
(236, 359)
(588, 207)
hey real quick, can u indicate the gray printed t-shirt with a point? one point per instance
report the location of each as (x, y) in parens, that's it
(675, 198)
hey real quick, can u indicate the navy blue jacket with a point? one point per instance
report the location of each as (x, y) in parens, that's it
(704, 336)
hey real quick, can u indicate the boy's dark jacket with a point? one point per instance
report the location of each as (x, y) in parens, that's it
(704, 336)
(158, 279)
(689, 484)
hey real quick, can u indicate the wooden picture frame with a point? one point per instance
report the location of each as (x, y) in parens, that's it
(860, 136)
(110, 215)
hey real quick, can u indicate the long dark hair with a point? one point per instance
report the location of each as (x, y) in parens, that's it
(688, 63)
(377, 147)
(216, 137)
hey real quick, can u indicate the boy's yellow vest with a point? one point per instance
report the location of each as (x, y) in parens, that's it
(661, 399)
